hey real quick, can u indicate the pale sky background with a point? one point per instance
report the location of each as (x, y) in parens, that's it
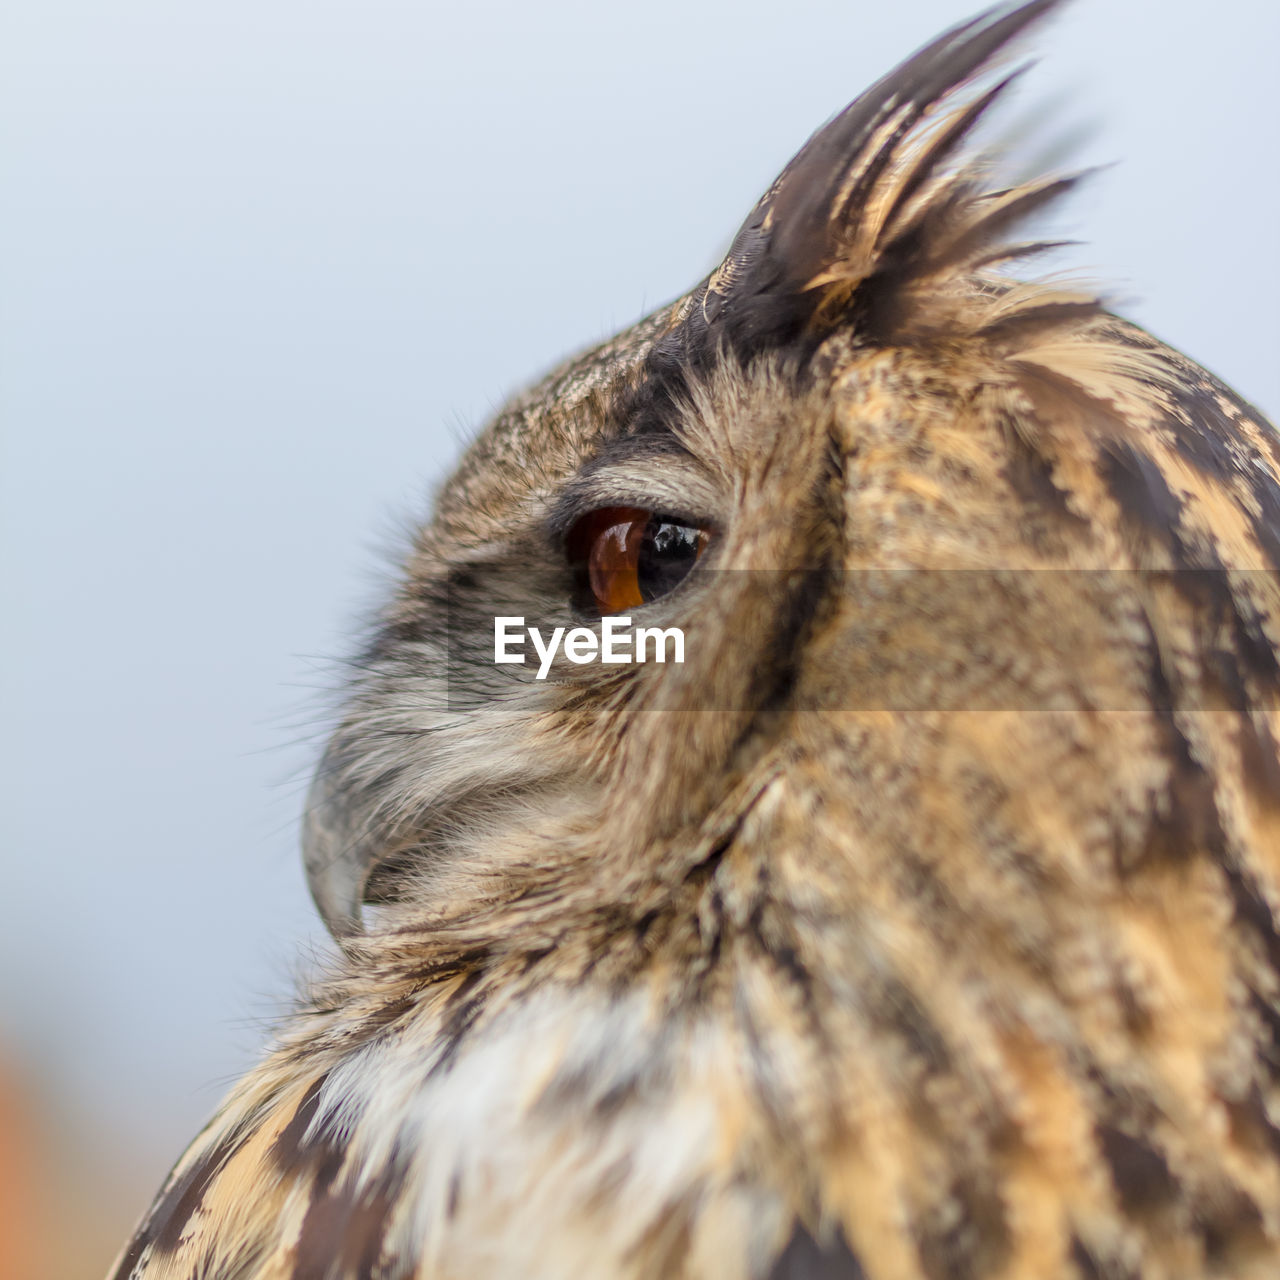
(263, 264)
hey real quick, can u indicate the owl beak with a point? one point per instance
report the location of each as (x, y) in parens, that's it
(335, 858)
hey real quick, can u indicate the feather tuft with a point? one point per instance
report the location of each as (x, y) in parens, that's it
(875, 221)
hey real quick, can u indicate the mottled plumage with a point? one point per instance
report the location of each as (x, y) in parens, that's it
(922, 924)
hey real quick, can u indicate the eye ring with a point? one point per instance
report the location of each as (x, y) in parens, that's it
(625, 557)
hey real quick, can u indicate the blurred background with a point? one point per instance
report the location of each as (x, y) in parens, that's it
(263, 265)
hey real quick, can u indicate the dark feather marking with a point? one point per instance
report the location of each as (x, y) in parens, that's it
(944, 145)
(342, 1233)
(774, 940)
(1136, 1012)
(387, 1015)
(1141, 1175)
(1254, 647)
(805, 1259)
(969, 1237)
(1266, 525)
(1029, 323)
(1184, 818)
(788, 961)
(895, 1007)
(803, 597)
(323, 1232)
(1008, 252)
(1268, 1014)
(649, 409)
(173, 1210)
(1260, 759)
(1251, 1126)
(645, 922)
(1224, 685)
(1229, 1222)
(987, 227)
(1252, 911)
(291, 1150)
(464, 1007)
(1085, 1265)
(440, 967)
(1030, 475)
(705, 869)
(1141, 493)
(1205, 434)
(533, 957)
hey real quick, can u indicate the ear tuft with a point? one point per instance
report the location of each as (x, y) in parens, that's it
(870, 223)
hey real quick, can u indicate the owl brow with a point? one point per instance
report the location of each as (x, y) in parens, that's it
(599, 480)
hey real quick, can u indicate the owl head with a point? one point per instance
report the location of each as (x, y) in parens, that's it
(873, 481)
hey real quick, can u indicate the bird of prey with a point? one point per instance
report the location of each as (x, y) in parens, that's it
(921, 924)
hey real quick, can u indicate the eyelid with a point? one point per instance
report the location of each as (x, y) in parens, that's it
(683, 493)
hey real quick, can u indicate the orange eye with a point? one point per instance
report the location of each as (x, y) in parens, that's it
(629, 556)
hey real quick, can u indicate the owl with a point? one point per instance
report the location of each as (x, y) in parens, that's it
(811, 809)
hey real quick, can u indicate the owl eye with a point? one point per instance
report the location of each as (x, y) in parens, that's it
(627, 556)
